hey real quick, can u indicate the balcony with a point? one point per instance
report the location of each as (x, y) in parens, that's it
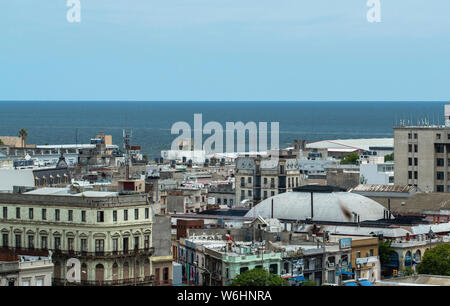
(138, 281)
(72, 253)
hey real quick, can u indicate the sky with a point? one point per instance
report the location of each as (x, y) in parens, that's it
(225, 50)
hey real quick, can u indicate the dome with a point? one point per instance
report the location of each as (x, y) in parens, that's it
(335, 206)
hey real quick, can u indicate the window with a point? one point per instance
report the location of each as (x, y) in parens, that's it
(26, 282)
(243, 269)
(439, 175)
(83, 216)
(5, 240)
(415, 161)
(17, 212)
(70, 215)
(415, 175)
(273, 268)
(371, 252)
(439, 148)
(125, 244)
(242, 181)
(272, 193)
(438, 136)
(115, 244)
(125, 215)
(114, 215)
(70, 244)
(40, 281)
(147, 213)
(410, 175)
(265, 194)
(99, 246)
(146, 242)
(84, 247)
(410, 161)
(44, 244)
(358, 254)
(415, 135)
(57, 214)
(57, 243)
(100, 216)
(136, 243)
(440, 162)
(409, 136)
(5, 212)
(30, 213)
(18, 241)
(249, 180)
(410, 148)
(31, 241)
(249, 193)
(44, 214)
(265, 181)
(416, 148)
(136, 214)
(439, 188)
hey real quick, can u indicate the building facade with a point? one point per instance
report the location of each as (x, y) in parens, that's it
(422, 156)
(109, 234)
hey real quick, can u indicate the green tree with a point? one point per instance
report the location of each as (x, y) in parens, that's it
(258, 277)
(23, 133)
(350, 159)
(436, 261)
(389, 157)
(1, 142)
(385, 250)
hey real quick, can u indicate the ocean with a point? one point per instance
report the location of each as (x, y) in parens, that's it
(151, 122)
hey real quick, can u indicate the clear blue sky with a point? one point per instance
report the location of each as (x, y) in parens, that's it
(225, 50)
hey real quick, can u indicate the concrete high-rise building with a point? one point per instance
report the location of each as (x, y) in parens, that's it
(422, 156)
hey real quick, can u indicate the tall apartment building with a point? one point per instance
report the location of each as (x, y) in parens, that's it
(422, 156)
(109, 233)
(259, 178)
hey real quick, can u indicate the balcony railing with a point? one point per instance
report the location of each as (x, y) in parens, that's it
(72, 253)
(138, 281)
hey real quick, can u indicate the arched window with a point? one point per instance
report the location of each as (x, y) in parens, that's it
(115, 273)
(84, 272)
(57, 270)
(147, 269)
(137, 270)
(126, 273)
(99, 274)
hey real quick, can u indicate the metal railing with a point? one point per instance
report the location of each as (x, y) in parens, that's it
(138, 281)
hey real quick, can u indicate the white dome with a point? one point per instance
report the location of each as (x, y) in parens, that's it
(328, 206)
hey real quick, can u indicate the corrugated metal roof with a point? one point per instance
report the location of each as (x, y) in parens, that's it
(384, 188)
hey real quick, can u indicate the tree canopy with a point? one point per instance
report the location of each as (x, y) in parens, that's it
(389, 157)
(436, 261)
(385, 250)
(258, 277)
(350, 158)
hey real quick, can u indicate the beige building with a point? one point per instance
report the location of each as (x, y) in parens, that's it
(26, 271)
(110, 234)
(259, 178)
(422, 156)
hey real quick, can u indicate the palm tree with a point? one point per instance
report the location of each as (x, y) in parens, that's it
(23, 133)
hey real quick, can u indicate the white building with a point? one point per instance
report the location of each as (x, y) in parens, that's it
(377, 174)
